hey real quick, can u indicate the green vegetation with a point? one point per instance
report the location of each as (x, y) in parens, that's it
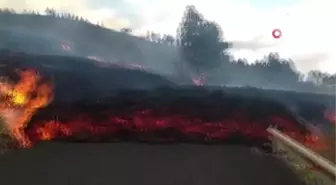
(194, 34)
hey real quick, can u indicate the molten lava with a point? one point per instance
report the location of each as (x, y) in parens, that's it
(21, 101)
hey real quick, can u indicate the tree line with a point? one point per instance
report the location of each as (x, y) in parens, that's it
(203, 49)
(150, 36)
(53, 13)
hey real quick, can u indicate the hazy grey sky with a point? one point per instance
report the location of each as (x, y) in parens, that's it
(308, 34)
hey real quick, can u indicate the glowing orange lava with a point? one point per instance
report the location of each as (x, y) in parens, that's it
(21, 100)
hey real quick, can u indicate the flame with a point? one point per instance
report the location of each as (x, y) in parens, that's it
(199, 80)
(20, 102)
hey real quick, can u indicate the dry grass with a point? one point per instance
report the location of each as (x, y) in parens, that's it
(324, 143)
(330, 152)
(6, 142)
(305, 169)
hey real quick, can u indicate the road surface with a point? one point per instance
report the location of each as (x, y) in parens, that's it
(141, 164)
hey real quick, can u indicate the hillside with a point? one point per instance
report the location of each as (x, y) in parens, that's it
(59, 35)
(45, 35)
(76, 77)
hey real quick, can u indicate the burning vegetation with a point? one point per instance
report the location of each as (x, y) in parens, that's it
(21, 100)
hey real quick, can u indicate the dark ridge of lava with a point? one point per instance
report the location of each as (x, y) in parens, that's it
(77, 78)
(155, 109)
(165, 116)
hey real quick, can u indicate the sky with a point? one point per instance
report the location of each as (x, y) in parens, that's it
(308, 35)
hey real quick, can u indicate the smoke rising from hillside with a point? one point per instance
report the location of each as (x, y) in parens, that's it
(250, 21)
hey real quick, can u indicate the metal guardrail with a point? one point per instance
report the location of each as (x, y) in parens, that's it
(325, 164)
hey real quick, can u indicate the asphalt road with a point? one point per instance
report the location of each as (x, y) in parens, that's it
(141, 164)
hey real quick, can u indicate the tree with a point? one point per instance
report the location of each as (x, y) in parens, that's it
(50, 12)
(201, 44)
(316, 76)
(154, 37)
(329, 80)
(148, 35)
(281, 72)
(126, 30)
(168, 39)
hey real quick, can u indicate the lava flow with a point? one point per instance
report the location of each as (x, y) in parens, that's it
(22, 103)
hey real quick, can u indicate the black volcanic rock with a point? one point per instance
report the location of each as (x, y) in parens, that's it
(80, 78)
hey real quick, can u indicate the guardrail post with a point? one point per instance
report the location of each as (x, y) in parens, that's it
(325, 164)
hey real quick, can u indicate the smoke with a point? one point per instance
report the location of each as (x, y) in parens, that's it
(306, 25)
